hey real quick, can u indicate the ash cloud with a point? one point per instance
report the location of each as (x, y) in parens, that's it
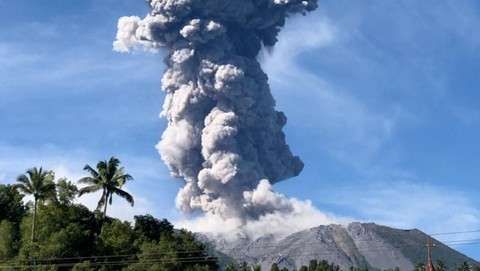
(224, 137)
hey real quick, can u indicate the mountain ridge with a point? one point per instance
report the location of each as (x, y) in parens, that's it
(363, 245)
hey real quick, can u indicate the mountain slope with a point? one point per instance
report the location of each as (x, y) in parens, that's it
(360, 245)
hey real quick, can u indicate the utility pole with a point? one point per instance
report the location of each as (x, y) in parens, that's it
(429, 265)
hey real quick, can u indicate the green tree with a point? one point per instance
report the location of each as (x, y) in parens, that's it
(152, 229)
(83, 266)
(440, 266)
(109, 178)
(244, 267)
(464, 267)
(38, 183)
(117, 238)
(231, 267)
(11, 205)
(7, 240)
(419, 267)
(12, 212)
(274, 267)
(62, 231)
(66, 191)
(179, 251)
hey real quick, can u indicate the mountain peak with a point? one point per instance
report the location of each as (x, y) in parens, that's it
(356, 244)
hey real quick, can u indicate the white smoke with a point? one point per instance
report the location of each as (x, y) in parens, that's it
(287, 215)
(224, 137)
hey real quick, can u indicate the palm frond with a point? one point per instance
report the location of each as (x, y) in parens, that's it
(124, 195)
(122, 179)
(88, 180)
(23, 179)
(48, 176)
(88, 189)
(23, 189)
(112, 167)
(114, 162)
(92, 171)
(47, 190)
(102, 165)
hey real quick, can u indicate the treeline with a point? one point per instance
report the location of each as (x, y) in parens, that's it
(439, 265)
(323, 265)
(52, 232)
(314, 265)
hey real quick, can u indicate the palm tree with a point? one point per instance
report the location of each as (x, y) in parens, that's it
(109, 177)
(38, 183)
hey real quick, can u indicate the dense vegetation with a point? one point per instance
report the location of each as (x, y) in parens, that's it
(52, 232)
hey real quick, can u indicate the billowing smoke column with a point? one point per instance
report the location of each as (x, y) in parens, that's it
(224, 137)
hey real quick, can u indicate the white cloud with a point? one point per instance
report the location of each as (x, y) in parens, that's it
(407, 204)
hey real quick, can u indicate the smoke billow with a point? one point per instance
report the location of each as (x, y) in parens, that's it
(224, 137)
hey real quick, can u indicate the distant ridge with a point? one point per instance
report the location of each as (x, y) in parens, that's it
(358, 245)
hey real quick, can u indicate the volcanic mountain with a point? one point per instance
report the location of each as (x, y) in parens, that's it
(364, 245)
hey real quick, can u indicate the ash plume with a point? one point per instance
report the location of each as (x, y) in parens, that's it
(224, 137)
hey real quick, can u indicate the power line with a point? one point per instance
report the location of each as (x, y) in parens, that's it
(152, 261)
(156, 259)
(370, 248)
(454, 232)
(120, 255)
(378, 246)
(461, 241)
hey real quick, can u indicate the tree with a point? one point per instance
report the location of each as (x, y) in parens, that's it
(171, 253)
(464, 267)
(62, 231)
(66, 191)
(38, 183)
(83, 266)
(151, 228)
(7, 241)
(109, 178)
(117, 238)
(420, 267)
(440, 266)
(231, 267)
(11, 205)
(244, 267)
(274, 267)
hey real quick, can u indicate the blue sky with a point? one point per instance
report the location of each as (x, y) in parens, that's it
(381, 99)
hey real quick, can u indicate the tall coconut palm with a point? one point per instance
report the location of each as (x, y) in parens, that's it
(109, 178)
(39, 184)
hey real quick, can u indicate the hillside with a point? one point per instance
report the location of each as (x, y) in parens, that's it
(359, 245)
